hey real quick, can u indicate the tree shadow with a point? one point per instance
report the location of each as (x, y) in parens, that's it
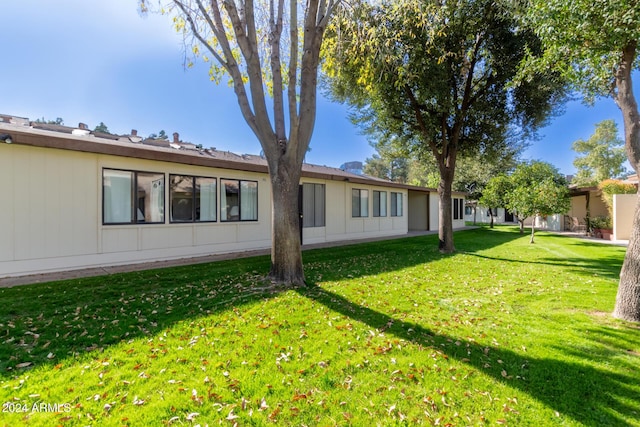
(608, 267)
(45, 323)
(359, 259)
(590, 396)
(70, 318)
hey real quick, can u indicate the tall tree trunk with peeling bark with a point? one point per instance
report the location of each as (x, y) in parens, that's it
(248, 47)
(628, 298)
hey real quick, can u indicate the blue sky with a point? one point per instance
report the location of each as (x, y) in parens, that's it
(87, 61)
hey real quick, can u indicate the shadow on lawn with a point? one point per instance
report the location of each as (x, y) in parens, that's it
(587, 395)
(608, 267)
(77, 317)
(605, 266)
(43, 324)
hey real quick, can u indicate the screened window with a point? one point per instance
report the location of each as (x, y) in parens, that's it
(359, 203)
(313, 205)
(379, 203)
(131, 197)
(396, 204)
(192, 198)
(238, 200)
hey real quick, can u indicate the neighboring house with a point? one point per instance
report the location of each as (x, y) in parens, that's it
(589, 201)
(75, 199)
(480, 215)
(585, 202)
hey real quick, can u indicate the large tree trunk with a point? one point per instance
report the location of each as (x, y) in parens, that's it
(628, 298)
(286, 252)
(445, 217)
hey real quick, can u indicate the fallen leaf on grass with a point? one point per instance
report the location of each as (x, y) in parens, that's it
(24, 365)
(263, 404)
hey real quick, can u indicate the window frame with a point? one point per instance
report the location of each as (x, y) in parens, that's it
(135, 201)
(239, 186)
(458, 208)
(394, 204)
(194, 198)
(359, 197)
(314, 194)
(377, 213)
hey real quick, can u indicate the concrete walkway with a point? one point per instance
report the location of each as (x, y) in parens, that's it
(7, 282)
(592, 239)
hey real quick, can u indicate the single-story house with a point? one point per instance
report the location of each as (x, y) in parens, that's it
(589, 202)
(73, 199)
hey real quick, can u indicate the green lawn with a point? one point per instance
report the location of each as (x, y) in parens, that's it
(388, 333)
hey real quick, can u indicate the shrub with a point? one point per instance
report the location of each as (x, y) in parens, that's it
(609, 187)
(602, 222)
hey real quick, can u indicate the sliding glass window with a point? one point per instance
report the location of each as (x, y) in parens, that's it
(379, 203)
(192, 198)
(359, 203)
(396, 204)
(238, 200)
(130, 197)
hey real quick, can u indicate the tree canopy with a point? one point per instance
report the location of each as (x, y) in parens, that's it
(533, 189)
(603, 155)
(101, 128)
(438, 77)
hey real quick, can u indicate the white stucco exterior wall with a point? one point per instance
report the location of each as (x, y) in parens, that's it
(51, 216)
(624, 206)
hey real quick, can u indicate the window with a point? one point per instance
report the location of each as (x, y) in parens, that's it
(192, 198)
(458, 208)
(238, 200)
(359, 203)
(379, 203)
(130, 197)
(396, 204)
(313, 205)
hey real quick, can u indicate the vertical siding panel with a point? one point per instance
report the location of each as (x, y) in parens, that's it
(7, 206)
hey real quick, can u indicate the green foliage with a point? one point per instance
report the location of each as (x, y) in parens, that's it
(388, 333)
(610, 187)
(160, 135)
(582, 39)
(602, 222)
(385, 166)
(603, 155)
(453, 66)
(57, 121)
(533, 189)
(437, 79)
(495, 192)
(102, 128)
(537, 189)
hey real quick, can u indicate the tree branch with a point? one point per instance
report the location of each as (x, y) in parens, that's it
(275, 36)
(293, 69)
(228, 61)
